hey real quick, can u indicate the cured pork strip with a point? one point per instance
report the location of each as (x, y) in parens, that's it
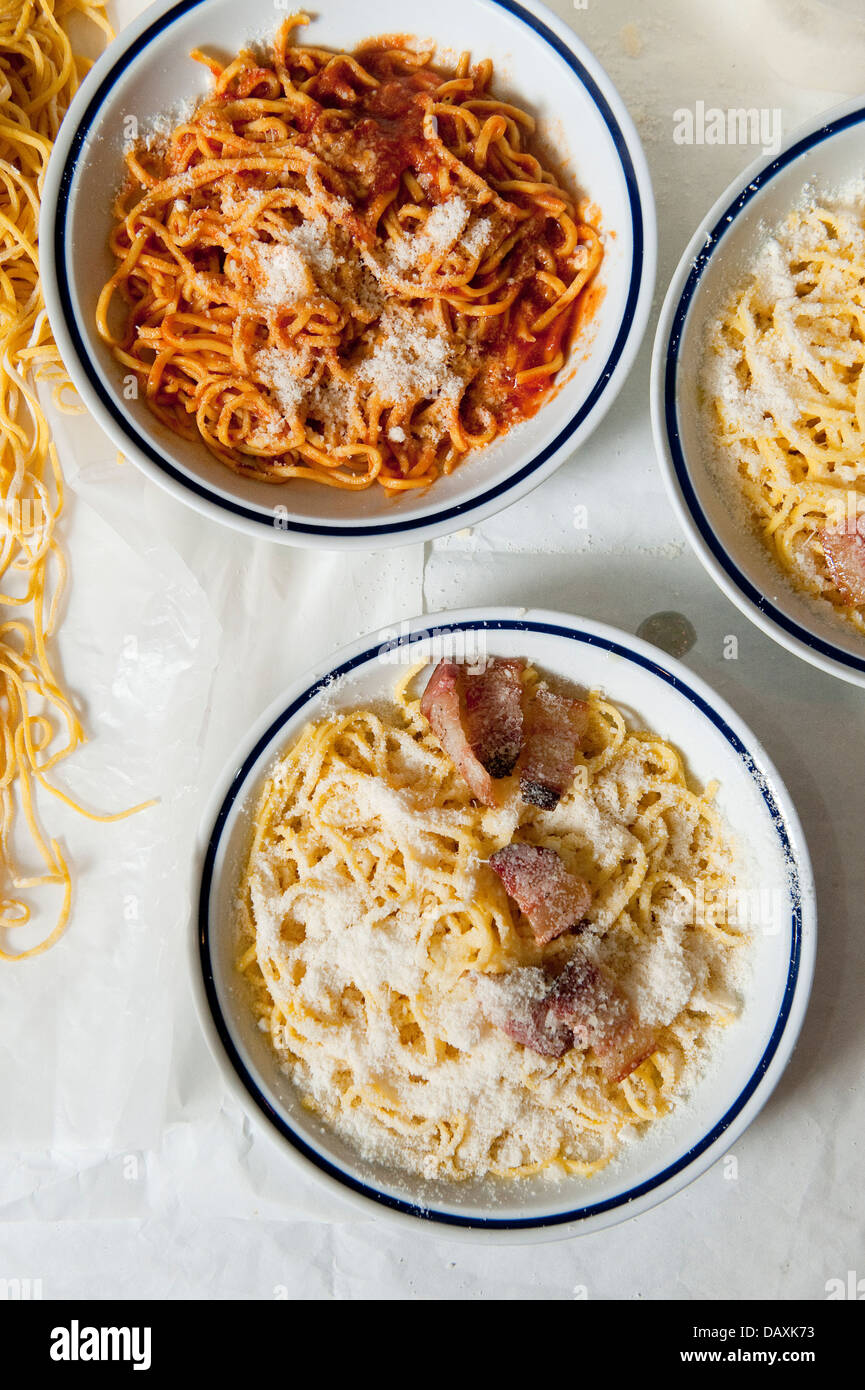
(581, 1007)
(441, 704)
(477, 717)
(494, 714)
(555, 726)
(553, 899)
(517, 1001)
(845, 555)
(587, 998)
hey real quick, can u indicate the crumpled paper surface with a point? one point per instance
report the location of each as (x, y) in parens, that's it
(124, 1168)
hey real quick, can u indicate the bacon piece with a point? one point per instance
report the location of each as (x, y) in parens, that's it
(587, 998)
(517, 1001)
(554, 900)
(440, 704)
(555, 726)
(494, 714)
(845, 555)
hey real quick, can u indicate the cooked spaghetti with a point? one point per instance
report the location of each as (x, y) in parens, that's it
(351, 268)
(784, 387)
(39, 75)
(368, 909)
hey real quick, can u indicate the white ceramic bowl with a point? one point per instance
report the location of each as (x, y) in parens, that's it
(751, 1054)
(539, 61)
(826, 153)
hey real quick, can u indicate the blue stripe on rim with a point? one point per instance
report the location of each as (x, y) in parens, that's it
(429, 1213)
(725, 221)
(307, 528)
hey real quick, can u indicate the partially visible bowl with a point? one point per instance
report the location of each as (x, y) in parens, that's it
(826, 153)
(538, 60)
(750, 1055)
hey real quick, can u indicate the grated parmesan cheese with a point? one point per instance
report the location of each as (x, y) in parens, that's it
(478, 237)
(328, 943)
(284, 373)
(408, 360)
(290, 270)
(161, 127)
(444, 226)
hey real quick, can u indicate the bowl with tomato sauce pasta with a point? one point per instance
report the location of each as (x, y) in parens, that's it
(341, 283)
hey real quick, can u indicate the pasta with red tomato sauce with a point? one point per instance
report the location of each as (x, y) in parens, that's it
(350, 268)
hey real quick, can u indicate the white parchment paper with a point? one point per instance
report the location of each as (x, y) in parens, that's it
(124, 1169)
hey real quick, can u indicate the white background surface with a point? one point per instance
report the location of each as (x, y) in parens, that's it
(124, 1171)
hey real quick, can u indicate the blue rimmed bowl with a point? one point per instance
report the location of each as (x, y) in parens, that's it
(822, 156)
(539, 62)
(773, 868)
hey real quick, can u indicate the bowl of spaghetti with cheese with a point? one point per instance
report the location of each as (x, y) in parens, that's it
(484, 943)
(758, 394)
(359, 284)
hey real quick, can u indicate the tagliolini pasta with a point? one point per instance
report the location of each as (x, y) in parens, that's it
(39, 725)
(784, 389)
(367, 908)
(349, 268)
